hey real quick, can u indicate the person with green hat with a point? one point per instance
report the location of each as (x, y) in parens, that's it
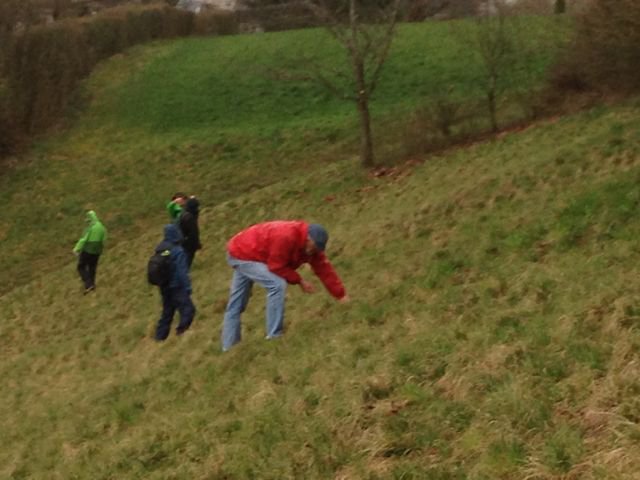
(175, 206)
(89, 248)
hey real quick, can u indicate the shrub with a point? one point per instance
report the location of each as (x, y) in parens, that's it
(443, 121)
(9, 135)
(445, 112)
(216, 23)
(43, 65)
(420, 10)
(277, 18)
(105, 37)
(176, 23)
(606, 49)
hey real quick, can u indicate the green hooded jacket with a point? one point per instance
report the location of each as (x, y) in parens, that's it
(174, 210)
(92, 241)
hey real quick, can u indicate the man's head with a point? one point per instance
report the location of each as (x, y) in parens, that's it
(317, 238)
(192, 205)
(91, 217)
(179, 198)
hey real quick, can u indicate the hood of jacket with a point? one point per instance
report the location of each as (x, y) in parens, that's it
(91, 217)
(193, 206)
(172, 234)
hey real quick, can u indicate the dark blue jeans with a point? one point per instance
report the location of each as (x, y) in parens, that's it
(175, 299)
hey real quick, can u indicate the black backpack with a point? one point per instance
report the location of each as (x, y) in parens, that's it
(159, 268)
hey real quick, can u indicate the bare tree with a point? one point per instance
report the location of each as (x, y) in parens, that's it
(365, 30)
(492, 38)
(607, 45)
(367, 45)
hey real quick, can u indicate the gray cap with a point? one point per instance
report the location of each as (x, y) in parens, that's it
(319, 235)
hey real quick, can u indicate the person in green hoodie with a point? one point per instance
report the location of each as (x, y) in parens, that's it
(175, 206)
(89, 248)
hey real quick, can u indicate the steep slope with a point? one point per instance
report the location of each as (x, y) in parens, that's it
(493, 331)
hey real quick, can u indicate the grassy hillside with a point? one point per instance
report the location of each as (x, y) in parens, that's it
(208, 116)
(492, 333)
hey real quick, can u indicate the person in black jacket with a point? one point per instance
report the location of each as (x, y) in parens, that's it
(190, 230)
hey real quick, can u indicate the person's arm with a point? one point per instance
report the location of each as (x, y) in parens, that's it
(82, 241)
(189, 227)
(196, 234)
(327, 275)
(185, 227)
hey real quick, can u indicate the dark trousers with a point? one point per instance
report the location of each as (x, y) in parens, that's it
(87, 266)
(174, 299)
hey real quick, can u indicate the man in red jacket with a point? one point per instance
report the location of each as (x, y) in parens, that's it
(269, 254)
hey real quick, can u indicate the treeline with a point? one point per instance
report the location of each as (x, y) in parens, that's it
(599, 59)
(42, 65)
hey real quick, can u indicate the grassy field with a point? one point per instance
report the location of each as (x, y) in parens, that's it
(493, 328)
(206, 115)
(493, 332)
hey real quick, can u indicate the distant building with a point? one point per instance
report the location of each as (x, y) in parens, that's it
(197, 6)
(86, 7)
(492, 7)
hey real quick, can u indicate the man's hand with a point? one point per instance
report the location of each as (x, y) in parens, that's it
(345, 299)
(307, 287)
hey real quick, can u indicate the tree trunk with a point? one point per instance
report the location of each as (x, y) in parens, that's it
(362, 94)
(366, 140)
(560, 6)
(491, 103)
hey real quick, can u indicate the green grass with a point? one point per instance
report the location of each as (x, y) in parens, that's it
(510, 364)
(492, 333)
(207, 115)
(196, 84)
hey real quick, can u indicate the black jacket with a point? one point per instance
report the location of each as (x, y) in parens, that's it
(189, 226)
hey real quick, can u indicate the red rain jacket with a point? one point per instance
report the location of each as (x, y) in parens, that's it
(280, 245)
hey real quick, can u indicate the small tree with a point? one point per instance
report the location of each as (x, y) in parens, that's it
(366, 34)
(492, 38)
(365, 30)
(606, 50)
(560, 6)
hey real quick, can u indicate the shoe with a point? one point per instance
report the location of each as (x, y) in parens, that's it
(89, 289)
